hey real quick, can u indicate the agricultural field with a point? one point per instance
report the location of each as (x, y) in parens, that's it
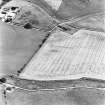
(52, 52)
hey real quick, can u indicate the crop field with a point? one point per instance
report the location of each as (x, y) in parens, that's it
(64, 56)
(52, 52)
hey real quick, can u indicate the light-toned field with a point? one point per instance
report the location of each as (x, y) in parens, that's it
(16, 52)
(66, 55)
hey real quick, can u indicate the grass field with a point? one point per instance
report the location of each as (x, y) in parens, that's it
(17, 47)
(79, 96)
